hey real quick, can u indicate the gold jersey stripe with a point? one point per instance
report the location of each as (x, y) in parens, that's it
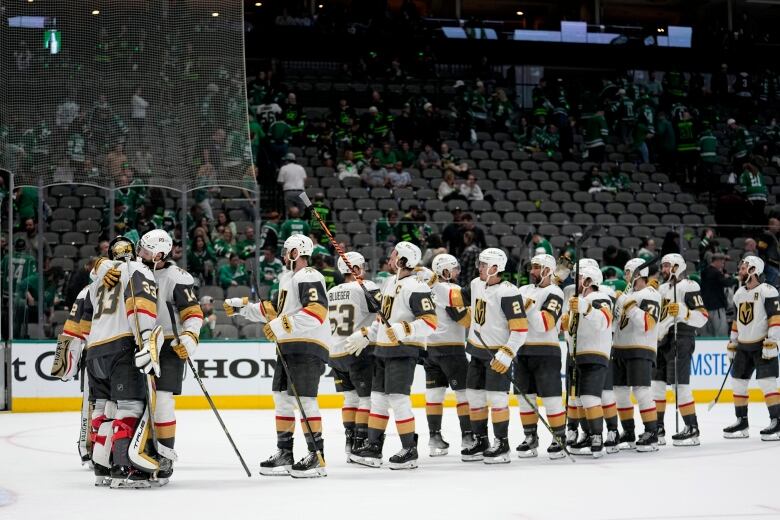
(142, 304)
(190, 312)
(317, 310)
(518, 324)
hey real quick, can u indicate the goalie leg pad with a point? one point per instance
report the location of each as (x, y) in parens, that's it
(131, 436)
(102, 432)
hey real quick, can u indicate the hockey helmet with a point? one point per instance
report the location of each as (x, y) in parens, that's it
(676, 263)
(120, 248)
(409, 252)
(544, 261)
(493, 256)
(593, 274)
(588, 262)
(354, 258)
(633, 264)
(156, 241)
(444, 262)
(755, 265)
(301, 243)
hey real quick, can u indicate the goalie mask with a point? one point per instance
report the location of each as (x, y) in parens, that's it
(120, 248)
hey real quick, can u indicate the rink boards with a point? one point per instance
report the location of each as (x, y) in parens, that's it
(238, 374)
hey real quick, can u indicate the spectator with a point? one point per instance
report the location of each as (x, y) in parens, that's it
(433, 246)
(714, 281)
(769, 251)
(741, 144)
(78, 280)
(666, 142)
(269, 233)
(233, 273)
(611, 279)
(708, 158)
(671, 244)
(591, 176)
(292, 177)
(246, 248)
(225, 244)
(209, 318)
(404, 126)
(452, 163)
(386, 155)
(324, 264)
(468, 259)
(470, 190)
(294, 225)
(269, 268)
(429, 158)
(347, 167)
(36, 241)
(541, 244)
(616, 180)
(753, 187)
(646, 249)
(413, 227)
(177, 253)
(750, 248)
(374, 175)
(399, 177)
(138, 108)
(615, 256)
(385, 227)
(453, 236)
(102, 248)
(594, 135)
(223, 220)
(406, 155)
(428, 125)
(383, 273)
(448, 190)
(116, 161)
(201, 260)
(707, 244)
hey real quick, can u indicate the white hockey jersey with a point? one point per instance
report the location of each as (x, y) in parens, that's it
(109, 315)
(758, 317)
(349, 310)
(303, 305)
(404, 300)
(497, 311)
(594, 329)
(692, 316)
(74, 324)
(636, 331)
(543, 307)
(453, 316)
(178, 287)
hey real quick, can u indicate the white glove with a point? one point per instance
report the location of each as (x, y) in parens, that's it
(398, 331)
(232, 304)
(770, 349)
(146, 359)
(502, 361)
(186, 345)
(357, 342)
(731, 350)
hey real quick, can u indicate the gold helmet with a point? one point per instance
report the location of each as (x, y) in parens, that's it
(121, 249)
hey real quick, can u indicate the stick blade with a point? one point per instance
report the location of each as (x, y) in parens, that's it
(711, 405)
(305, 198)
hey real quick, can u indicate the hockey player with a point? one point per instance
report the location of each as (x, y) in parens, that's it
(593, 310)
(633, 355)
(753, 348)
(177, 287)
(113, 320)
(350, 309)
(538, 365)
(408, 308)
(446, 364)
(498, 329)
(682, 312)
(302, 333)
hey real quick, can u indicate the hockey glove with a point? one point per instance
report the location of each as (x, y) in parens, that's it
(186, 345)
(278, 327)
(398, 331)
(357, 342)
(146, 359)
(233, 305)
(731, 350)
(269, 332)
(770, 349)
(574, 304)
(653, 282)
(673, 309)
(565, 322)
(111, 278)
(502, 360)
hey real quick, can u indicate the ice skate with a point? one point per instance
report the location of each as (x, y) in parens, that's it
(102, 475)
(528, 448)
(498, 453)
(370, 454)
(127, 477)
(661, 435)
(627, 440)
(688, 437)
(406, 458)
(555, 451)
(349, 435)
(771, 432)
(475, 452)
(278, 464)
(647, 442)
(738, 430)
(438, 447)
(309, 467)
(596, 446)
(581, 447)
(466, 440)
(611, 442)
(571, 437)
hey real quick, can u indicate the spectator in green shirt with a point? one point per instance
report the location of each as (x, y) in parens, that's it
(201, 260)
(209, 318)
(386, 155)
(246, 248)
(406, 155)
(269, 268)
(225, 245)
(753, 187)
(383, 273)
(294, 225)
(233, 273)
(611, 278)
(26, 202)
(541, 244)
(616, 180)
(385, 227)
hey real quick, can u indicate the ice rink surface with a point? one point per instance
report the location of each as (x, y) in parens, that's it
(40, 476)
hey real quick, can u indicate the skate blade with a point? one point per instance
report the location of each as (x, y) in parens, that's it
(647, 449)
(556, 455)
(686, 442)
(472, 458)
(160, 482)
(412, 464)
(744, 434)
(438, 452)
(770, 437)
(279, 471)
(117, 483)
(612, 449)
(528, 454)
(309, 473)
(366, 461)
(597, 454)
(626, 446)
(102, 481)
(501, 459)
(581, 451)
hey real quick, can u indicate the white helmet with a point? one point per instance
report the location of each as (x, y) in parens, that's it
(588, 262)
(442, 262)
(677, 263)
(156, 241)
(409, 252)
(494, 256)
(302, 243)
(545, 261)
(354, 258)
(755, 265)
(632, 264)
(594, 273)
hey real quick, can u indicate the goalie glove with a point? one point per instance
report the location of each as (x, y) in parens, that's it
(770, 349)
(147, 358)
(731, 350)
(357, 342)
(502, 360)
(66, 357)
(233, 305)
(186, 345)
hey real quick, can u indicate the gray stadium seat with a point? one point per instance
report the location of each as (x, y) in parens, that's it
(226, 332)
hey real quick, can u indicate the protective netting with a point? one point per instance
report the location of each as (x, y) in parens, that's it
(118, 93)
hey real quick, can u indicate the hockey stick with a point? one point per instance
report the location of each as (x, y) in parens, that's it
(676, 400)
(725, 378)
(560, 440)
(205, 392)
(85, 443)
(369, 297)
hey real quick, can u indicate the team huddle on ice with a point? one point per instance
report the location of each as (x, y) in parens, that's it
(140, 319)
